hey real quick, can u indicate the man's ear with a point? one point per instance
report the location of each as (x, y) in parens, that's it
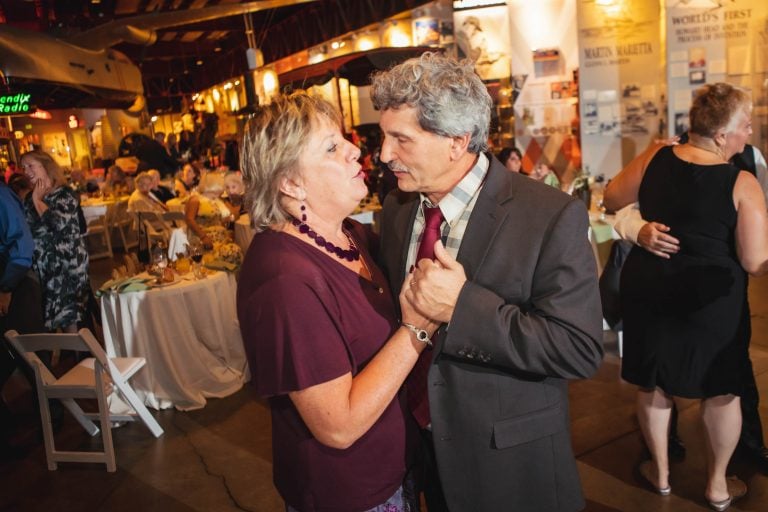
(292, 187)
(459, 145)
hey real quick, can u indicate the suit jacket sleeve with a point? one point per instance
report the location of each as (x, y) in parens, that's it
(551, 325)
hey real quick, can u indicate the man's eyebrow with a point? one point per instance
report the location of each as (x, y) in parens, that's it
(396, 133)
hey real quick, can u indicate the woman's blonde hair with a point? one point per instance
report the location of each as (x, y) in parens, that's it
(274, 139)
(235, 177)
(52, 169)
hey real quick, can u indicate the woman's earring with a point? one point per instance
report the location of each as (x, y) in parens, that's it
(303, 212)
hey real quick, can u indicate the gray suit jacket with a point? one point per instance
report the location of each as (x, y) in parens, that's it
(527, 319)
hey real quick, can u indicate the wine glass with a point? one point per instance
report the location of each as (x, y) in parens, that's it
(196, 254)
(159, 260)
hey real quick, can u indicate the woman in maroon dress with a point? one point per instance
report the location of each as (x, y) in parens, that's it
(319, 326)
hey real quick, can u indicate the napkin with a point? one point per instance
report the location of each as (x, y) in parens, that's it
(177, 243)
(602, 230)
(124, 285)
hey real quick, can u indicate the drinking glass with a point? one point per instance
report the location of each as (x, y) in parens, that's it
(159, 260)
(196, 254)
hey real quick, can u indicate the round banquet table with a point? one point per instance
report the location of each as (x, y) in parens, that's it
(189, 334)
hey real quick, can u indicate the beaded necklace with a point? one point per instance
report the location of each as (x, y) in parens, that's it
(351, 254)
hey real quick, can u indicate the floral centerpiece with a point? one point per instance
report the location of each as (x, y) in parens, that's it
(218, 234)
(228, 252)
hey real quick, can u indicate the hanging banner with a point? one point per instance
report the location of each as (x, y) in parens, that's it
(714, 41)
(621, 108)
(545, 62)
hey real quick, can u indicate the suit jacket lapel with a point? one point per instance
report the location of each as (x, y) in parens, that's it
(487, 217)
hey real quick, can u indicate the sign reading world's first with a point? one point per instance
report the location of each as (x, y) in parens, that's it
(16, 104)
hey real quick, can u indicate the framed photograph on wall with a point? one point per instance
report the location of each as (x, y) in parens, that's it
(482, 35)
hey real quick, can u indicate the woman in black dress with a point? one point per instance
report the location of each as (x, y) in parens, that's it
(686, 321)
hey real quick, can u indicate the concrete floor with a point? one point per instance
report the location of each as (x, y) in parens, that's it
(218, 458)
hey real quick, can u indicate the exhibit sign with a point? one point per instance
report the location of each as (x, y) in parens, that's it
(621, 100)
(713, 41)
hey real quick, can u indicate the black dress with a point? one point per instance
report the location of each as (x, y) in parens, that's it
(686, 319)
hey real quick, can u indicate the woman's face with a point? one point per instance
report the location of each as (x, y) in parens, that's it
(736, 139)
(330, 173)
(513, 163)
(539, 171)
(233, 188)
(188, 175)
(34, 170)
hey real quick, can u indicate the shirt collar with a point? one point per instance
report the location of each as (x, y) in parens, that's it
(456, 201)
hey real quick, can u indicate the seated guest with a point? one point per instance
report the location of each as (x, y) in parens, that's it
(234, 188)
(159, 191)
(117, 183)
(541, 172)
(141, 199)
(206, 208)
(512, 159)
(186, 181)
(78, 181)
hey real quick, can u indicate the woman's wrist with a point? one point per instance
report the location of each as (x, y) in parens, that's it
(422, 336)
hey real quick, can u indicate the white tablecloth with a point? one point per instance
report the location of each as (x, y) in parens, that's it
(243, 232)
(188, 333)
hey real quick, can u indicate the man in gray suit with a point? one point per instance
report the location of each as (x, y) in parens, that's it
(514, 283)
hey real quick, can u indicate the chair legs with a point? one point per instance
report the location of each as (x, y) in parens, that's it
(94, 377)
(45, 418)
(106, 426)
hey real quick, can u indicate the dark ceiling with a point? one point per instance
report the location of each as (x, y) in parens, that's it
(169, 67)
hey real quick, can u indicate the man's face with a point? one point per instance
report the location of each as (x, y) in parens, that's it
(420, 160)
(144, 185)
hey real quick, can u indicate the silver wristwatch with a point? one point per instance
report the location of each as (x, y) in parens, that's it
(421, 334)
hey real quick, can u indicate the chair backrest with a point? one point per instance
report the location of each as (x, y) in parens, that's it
(96, 225)
(131, 264)
(118, 214)
(26, 345)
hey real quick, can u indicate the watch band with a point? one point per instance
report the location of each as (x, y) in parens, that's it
(421, 334)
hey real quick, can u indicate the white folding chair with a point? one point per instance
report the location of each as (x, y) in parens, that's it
(99, 228)
(155, 227)
(95, 377)
(124, 222)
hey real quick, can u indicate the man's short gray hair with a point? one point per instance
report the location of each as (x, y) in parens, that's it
(449, 97)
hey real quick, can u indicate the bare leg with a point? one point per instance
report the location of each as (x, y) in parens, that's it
(722, 426)
(653, 411)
